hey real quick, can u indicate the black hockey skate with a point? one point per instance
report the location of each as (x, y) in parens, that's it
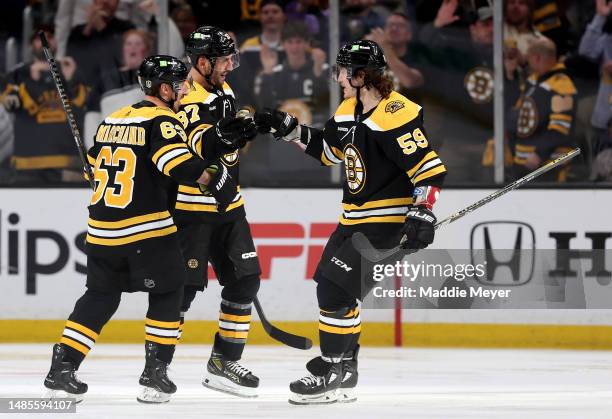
(349, 377)
(156, 386)
(229, 377)
(61, 381)
(320, 387)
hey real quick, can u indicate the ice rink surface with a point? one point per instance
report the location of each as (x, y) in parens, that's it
(394, 383)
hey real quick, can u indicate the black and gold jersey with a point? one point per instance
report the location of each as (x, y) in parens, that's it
(200, 110)
(545, 116)
(43, 139)
(386, 154)
(139, 155)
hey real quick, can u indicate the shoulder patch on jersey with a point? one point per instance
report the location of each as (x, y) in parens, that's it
(394, 106)
(562, 84)
(383, 120)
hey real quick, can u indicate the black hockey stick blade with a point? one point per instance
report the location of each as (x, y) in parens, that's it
(294, 341)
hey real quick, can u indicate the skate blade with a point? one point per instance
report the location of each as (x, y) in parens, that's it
(347, 395)
(328, 397)
(61, 394)
(150, 395)
(224, 385)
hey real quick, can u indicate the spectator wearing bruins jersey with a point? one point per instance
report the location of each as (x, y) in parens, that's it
(44, 150)
(299, 85)
(132, 243)
(393, 178)
(262, 52)
(208, 233)
(544, 113)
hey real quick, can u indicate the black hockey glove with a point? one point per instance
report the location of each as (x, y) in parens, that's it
(277, 122)
(221, 186)
(418, 229)
(235, 132)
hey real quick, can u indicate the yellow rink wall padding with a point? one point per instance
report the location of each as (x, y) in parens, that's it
(373, 334)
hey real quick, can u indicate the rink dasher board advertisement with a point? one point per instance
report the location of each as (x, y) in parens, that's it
(42, 263)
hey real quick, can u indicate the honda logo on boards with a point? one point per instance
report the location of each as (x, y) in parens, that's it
(507, 248)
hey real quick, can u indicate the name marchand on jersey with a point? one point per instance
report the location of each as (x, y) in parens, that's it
(122, 139)
(396, 126)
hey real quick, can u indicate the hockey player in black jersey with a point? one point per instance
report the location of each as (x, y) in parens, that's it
(138, 156)
(208, 232)
(393, 178)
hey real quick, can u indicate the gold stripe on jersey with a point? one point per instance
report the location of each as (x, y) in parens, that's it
(386, 219)
(190, 198)
(331, 155)
(195, 138)
(116, 233)
(170, 156)
(381, 203)
(391, 210)
(131, 239)
(430, 173)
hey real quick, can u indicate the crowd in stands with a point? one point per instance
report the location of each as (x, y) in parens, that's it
(557, 85)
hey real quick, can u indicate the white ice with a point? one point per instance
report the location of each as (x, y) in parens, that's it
(394, 383)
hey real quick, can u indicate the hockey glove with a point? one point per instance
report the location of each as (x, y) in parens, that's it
(418, 229)
(235, 132)
(278, 123)
(221, 186)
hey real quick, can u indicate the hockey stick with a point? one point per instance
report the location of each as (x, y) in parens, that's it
(294, 341)
(288, 339)
(369, 252)
(67, 108)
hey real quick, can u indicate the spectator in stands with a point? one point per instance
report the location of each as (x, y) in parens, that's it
(300, 11)
(358, 19)
(97, 43)
(260, 53)
(596, 44)
(185, 20)
(519, 30)
(300, 84)
(545, 112)
(395, 40)
(136, 47)
(44, 149)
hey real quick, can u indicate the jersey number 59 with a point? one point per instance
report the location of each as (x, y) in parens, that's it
(411, 141)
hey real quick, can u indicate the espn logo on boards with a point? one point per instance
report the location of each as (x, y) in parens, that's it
(507, 248)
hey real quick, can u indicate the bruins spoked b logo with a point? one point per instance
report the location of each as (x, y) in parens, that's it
(354, 167)
(230, 159)
(479, 84)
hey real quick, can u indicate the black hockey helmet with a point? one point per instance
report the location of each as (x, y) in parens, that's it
(158, 69)
(360, 55)
(211, 42)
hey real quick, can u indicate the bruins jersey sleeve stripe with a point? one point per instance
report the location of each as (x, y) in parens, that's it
(191, 199)
(195, 139)
(331, 155)
(170, 156)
